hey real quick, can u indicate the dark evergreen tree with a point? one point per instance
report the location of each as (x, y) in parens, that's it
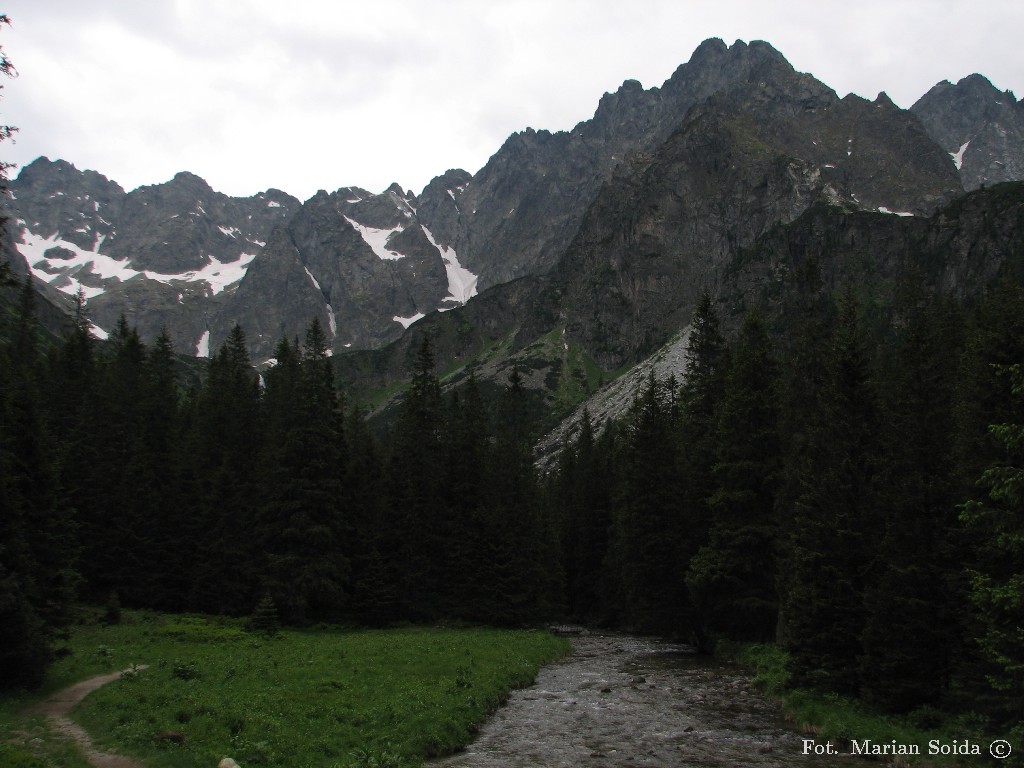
(418, 497)
(825, 498)
(700, 397)
(464, 563)
(909, 636)
(732, 576)
(113, 511)
(222, 445)
(997, 576)
(265, 619)
(37, 554)
(374, 598)
(995, 342)
(521, 553)
(302, 520)
(651, 526)
(583, 490)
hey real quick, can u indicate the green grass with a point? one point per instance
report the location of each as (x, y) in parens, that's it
(311, 698)
(841, 720)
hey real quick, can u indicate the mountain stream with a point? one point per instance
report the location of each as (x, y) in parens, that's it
(630, 701)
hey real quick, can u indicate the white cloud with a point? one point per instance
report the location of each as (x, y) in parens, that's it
(314, 94)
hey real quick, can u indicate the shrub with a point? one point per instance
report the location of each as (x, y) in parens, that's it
(265, 619)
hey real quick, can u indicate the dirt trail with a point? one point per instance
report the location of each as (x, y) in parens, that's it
(57, 709)
(628, 701)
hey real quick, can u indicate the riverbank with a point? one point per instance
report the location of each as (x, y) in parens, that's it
(321, 697)
(838, 725)
(623, 700)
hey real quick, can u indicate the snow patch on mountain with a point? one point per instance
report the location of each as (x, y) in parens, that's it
(218, 275)
(958, 156)
(313, 279)
(407, 321)
(332, 321)
(203, 345)
(377, 239)
(461, 282)
(84, 269)
(67, 274)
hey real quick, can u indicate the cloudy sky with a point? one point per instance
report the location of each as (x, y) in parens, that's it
(312, 94)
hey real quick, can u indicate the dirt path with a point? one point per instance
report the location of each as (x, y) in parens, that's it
(57, 710)
(628, 701)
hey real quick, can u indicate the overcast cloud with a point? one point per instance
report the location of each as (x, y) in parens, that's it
(252, 94)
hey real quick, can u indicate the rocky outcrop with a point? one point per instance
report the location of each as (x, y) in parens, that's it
(165, 256)
(521, 211)
(357, 263)
(981, 127)
(603, 235)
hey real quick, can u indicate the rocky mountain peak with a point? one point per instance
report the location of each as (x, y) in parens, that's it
(660, 188)
(981, 127)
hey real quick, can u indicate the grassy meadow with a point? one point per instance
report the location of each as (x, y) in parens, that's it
(829, 717)
(321, 697)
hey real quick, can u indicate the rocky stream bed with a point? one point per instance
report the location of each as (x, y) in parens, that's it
(628, 701)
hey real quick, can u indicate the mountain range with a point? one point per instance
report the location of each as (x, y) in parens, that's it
(571, 256)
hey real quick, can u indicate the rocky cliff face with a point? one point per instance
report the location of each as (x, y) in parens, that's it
(164, 256)
(522, 209)
(363, 264)
(596, 240)
(981, 127)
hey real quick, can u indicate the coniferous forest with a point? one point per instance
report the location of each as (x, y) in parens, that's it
(846, 482)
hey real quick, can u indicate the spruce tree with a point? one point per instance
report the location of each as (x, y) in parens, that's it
(997, 575)
(732, 576)
(909, 637)
(37, 548)
(651, 527)
(417, 494)
(520, 545)
(585, 490)
(825, 499)
(302, 521)
(374, 598)
(222, 443)
(467, 445)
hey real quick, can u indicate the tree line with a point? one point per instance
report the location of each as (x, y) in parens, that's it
(841, 480)
(119, 483)
(846, 482)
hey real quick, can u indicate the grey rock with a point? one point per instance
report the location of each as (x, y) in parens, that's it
(979, 126)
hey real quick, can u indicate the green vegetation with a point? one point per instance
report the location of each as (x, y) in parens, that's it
(323, 697)
(842, 719)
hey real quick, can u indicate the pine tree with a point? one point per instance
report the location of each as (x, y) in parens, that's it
(584, 493)
(108, 476)
(222, 443)
(700, 398)
(265, 619)
(374, 598)
(417, 494)
(910, 637)
(732, 576)
(825, 499)
(37, 553)
(467, 444)
(651, 528)
(997, 576)
(519, 543)
(302, 522)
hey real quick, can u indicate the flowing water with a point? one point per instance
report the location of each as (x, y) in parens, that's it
(629, 701)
